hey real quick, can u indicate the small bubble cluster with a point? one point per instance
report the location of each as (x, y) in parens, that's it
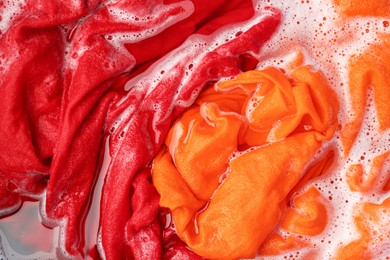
(327, 42)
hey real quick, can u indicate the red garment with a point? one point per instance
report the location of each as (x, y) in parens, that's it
(63, 68)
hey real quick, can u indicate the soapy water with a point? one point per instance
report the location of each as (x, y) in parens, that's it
(22, 236)
(8, 12)
(327, 42)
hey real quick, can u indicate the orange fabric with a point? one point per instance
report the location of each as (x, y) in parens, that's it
(277, 244)
(386, 187)
(370, 219)
(318, 168)
(372, 223)
(232, 159)
(307, 216)
(298, 59)
(363, 7)
(368, 70)
(359, 180)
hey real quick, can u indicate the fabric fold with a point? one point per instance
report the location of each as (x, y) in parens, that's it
(243, 199)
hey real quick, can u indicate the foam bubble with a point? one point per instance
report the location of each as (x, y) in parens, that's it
(143, 26)
(327, 42)
(10, 10)
(99, 245)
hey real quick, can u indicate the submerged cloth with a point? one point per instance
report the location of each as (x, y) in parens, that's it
(231, 160)
(88, 82)
(80, 86)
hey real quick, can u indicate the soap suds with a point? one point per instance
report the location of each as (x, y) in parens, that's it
(327, 42)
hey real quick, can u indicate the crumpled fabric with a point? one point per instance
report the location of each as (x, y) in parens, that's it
(308, 215)
(75, 82)
(230, 161)
(371, 222)
(368, 72)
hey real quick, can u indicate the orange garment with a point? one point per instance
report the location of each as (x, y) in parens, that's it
(371, 219)
(372, 222)
(306, 217)
(359, 180)
(363, 7)
(232, 159)
(368, 71)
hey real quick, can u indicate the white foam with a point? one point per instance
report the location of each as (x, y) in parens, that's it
(327, 43)
(99, 245)
(139, 20)
(190, 53)
(9, 12)
(297, 32)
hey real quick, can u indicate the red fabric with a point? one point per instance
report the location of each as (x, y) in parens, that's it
(63, 68)
(175, 249)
